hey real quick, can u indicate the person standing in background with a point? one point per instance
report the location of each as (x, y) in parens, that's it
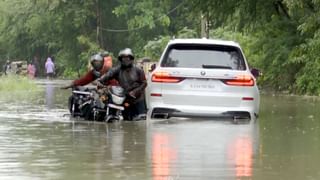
(6, 67)
(50, 68)
(31, 70)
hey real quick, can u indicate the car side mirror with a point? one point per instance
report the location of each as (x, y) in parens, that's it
(255, 72)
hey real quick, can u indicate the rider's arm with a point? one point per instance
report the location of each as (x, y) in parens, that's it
(142, 83)
(86, 79)
(109, 75)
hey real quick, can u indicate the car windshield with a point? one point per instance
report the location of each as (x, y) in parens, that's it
(204, 56)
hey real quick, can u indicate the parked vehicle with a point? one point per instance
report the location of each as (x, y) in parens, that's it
(202, 78)
(98, 105)
(17, 68)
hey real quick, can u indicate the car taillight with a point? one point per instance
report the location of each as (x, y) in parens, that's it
(241, 80)
(165, 77)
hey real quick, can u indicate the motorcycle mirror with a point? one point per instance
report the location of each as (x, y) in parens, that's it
(152, 67)
(255, 72)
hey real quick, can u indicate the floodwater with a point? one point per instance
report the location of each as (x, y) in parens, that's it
(38, 141)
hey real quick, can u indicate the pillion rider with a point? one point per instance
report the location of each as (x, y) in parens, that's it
(99, 67)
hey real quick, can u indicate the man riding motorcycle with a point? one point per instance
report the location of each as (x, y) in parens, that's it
(132, 79)
(98, 68)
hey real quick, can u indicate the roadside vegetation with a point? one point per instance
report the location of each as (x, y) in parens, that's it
(16, 84)
(279, 37)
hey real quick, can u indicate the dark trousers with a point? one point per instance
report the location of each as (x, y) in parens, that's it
(134, 109)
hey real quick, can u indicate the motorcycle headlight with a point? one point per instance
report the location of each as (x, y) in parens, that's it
(117, 99)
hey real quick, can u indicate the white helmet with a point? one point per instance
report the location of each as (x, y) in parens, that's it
(125, 52)
(96, 62)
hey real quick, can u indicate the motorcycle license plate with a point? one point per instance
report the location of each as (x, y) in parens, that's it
(116, 107)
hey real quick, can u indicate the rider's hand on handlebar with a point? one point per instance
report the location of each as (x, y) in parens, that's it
(94, 83)
(66, 87)
(99, 84)
(132, 94)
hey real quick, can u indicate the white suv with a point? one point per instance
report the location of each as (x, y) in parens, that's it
(202, 78)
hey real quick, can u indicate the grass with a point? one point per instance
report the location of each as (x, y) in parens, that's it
(14, 83)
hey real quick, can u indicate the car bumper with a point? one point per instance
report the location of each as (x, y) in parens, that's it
(166, 111)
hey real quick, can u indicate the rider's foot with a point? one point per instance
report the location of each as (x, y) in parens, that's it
(112, 118)
(139, 117)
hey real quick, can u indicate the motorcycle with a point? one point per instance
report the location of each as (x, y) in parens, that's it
(115, 104)
(104, 104)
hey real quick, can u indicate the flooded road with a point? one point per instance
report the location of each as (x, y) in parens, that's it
(38, 142)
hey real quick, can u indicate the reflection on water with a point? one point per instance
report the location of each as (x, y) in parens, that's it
(241, 154)
(116, 145)
(202, 150)
(163, 156)
(38, 142)
(50, 90)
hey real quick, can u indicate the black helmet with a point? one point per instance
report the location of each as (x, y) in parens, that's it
(97, 62)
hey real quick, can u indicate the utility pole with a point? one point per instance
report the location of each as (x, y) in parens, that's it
(204, 26)
(99, 37)
(97, 21)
